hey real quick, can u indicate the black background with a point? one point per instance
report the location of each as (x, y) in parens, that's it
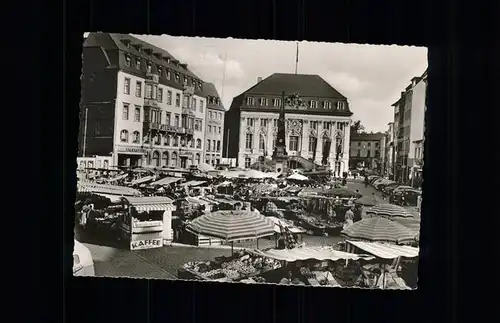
(459, 175)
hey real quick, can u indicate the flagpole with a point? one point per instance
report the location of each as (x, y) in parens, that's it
(297, 58)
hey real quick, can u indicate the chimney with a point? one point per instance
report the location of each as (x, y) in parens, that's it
(259, 79)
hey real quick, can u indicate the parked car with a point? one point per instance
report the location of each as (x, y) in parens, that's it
(373, 178)
(410, 197)
(402, 188)
(380, 181)
(387, 189)
(83, 265)
(383, 185)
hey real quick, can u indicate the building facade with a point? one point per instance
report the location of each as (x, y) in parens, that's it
(389, 152)
(317, 130)
(409, 118)
(367, 150)
(140, 105)
(214, 130)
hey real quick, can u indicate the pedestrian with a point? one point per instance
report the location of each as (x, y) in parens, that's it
(366, 181)
(349, 218)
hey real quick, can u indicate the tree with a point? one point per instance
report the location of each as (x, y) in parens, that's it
(357, 127)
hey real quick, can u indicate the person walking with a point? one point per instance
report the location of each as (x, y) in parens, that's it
(349, 218)
(366, 181)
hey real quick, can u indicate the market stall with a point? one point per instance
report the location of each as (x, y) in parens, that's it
(379, 229)
(146, 222)
(389, 210)
(231, 226)
(243, 266)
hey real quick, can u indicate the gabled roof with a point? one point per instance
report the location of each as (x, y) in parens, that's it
(305, 84)
(210, 90)
(112, 41)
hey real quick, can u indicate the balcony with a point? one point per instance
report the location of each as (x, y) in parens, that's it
(151, 103)
(152, 78)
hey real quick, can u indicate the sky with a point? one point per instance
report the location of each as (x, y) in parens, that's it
(370, 76)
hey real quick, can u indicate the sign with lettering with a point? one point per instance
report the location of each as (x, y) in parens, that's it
(146, 244)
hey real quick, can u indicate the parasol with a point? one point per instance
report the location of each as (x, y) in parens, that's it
(389, 210)
(232, 225)
(380, 230)
(298, 177)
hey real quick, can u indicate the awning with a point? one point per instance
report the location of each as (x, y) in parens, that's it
(307, 253)
(106, 189)
(143, 180)
(385, 251)
(166, 181)
(151, 203)
(193, 183)
(118, 178)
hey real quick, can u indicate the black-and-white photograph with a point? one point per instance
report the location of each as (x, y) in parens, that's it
(250, 161)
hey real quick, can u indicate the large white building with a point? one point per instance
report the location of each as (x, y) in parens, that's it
(214, 130)
(140, 105)
(317, 129)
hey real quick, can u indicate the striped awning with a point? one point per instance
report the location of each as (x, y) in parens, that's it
(412, 223)
(384, 250)
(151, 203)
(122, 176)
(192, 183)
(310, 253)
(232, 225)
(143, 180)
(166, 181)
(379, 229)
(389, 210)
(92, 187)
(154, 207)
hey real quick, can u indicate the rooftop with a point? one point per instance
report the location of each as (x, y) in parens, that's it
(306, 85)
(210, 90)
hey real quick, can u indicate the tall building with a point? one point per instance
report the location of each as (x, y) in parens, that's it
(367, 150)
(317, 122)
(214, 130)
(409, 117)
(389, 152)
(140, 105)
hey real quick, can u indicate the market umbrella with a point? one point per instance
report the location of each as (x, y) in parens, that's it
(254, 174)
(411, 223)
(389, 210)
(298, 177)
(204, 167)
(367, 201)
(379, 230)
(232, 225)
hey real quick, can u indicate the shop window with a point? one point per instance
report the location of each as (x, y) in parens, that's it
(124, 136)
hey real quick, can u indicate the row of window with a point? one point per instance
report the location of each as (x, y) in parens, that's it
(157, 117)
(215, 115)
(162, 71)
(169, 160)
(312, 124)
(276, 102)
(155, 92)
(369, 144)
(168, 140)
(216, 130)
(293, 143)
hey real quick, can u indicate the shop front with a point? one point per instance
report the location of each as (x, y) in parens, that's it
(130, 156)
(146, 222)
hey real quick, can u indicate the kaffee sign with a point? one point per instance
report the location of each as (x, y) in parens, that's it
(146, 244)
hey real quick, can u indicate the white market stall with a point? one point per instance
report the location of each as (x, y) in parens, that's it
(146, 222)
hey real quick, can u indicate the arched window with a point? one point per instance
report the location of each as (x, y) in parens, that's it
(174, 159)
(136, 137)
(198, 143)
(156, 158)
(166, 142)
(207, 159)
(164, 158)
(198, 157)
(124, 136)
(262, 143)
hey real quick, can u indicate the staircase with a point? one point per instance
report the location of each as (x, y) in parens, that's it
(306, 163)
